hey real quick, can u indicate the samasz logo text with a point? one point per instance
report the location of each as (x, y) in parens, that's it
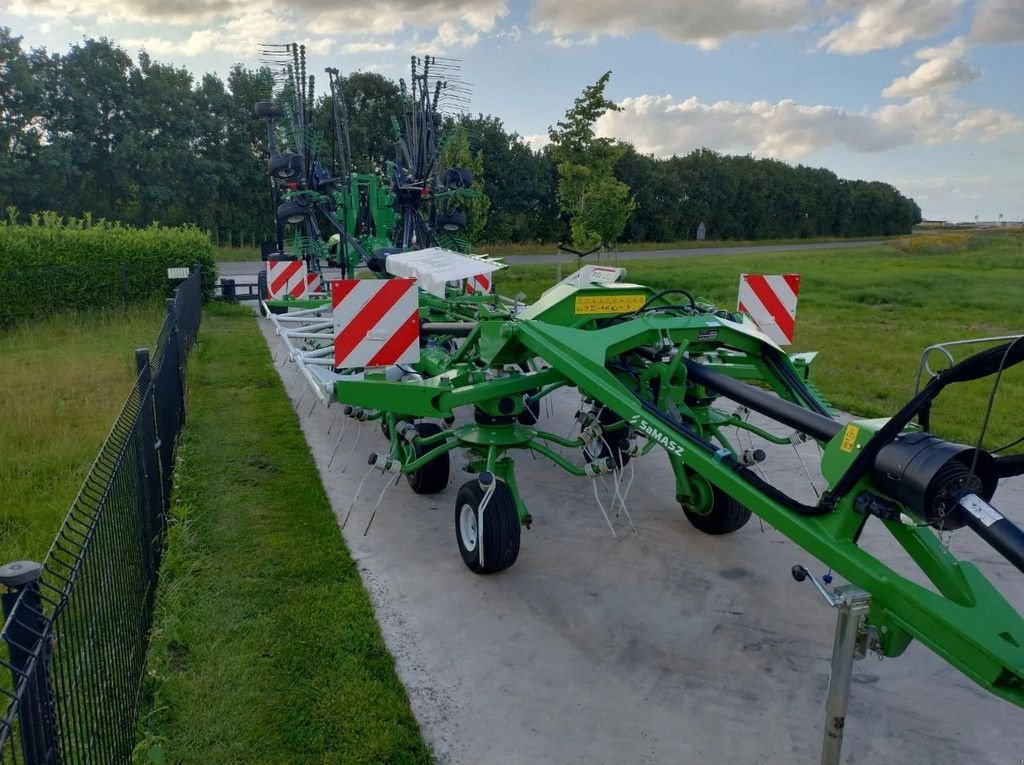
(656, 435)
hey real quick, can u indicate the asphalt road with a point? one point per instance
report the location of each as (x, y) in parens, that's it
(665, 647)
(251, 268)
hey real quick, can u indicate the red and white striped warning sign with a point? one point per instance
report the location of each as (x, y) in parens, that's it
(287, 278)
(771, 302)
(481, 284)
(376, 322)
(311, 283)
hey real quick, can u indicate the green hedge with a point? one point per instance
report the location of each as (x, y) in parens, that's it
(76, 264)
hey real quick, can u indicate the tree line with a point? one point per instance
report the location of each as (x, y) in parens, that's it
(92, 130)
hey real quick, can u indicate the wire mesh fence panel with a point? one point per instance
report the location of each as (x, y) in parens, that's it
(76, 628)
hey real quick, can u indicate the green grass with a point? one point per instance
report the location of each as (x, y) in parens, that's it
(265, 647)
(870, 313)
(225, 254)
(64, 380)
(508, 249)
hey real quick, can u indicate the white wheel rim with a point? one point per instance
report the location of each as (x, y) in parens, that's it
(467, 527)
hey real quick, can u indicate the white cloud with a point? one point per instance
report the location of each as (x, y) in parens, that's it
(956, 198)
(109, 11)
(512, 34)
(945, 68)
(888, 23)
(788, 130)
(240, 35)
(705, 24)
(197, 43)
(536, 142)
(389, 16)
(319, 46)
(368, 47)
(988, 125)
(998, 21)
(855, 26)
(241, 19)
(573, 42)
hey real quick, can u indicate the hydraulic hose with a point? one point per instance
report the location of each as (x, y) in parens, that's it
(1003, 535)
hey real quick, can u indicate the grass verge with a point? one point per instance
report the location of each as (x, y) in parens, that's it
(510, 249)
(225, 254)
(265, 646)
(64, 381)
(870, 312)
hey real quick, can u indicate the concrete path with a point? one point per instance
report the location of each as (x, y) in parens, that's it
(666, 647)
(248, 269)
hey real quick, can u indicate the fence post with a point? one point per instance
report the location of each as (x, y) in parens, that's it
(174, 343)
(147, 426)
(28, 647)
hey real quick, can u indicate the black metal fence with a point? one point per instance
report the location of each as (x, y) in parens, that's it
(76, 627)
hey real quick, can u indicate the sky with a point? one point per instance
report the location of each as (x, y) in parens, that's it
(927, 95)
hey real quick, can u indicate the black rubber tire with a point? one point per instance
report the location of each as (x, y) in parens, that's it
(452, 221)
(287, 163)
(458, 178)
(501, 528)
(432, 477)
(726, 516)
(293, 208)
(268, 110)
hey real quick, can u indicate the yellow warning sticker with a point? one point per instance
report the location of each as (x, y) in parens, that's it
(609, 303)
(849, 438)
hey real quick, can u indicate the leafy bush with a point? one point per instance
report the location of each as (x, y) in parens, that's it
(52, 263)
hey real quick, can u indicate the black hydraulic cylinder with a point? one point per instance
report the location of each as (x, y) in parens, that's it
(988, 523)
(817, 426)
(1007, 467)
(450, 328)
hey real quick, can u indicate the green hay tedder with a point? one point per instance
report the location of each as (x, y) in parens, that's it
(663, 370)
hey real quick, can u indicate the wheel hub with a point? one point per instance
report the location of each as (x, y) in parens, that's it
(467, 527)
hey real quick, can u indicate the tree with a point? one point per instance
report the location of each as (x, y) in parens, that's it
(597, 204)
(372, 101)
(87, 119)
(158, 148)
(518, 181)
(21, 99)
(91, 130)
(456, 152)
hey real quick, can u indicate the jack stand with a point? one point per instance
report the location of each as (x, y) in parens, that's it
(851, 642)
(853, 604)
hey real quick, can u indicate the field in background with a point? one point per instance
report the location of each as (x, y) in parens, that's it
(244, 254)
(64, 381)
(265, 646)
(870, 312)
